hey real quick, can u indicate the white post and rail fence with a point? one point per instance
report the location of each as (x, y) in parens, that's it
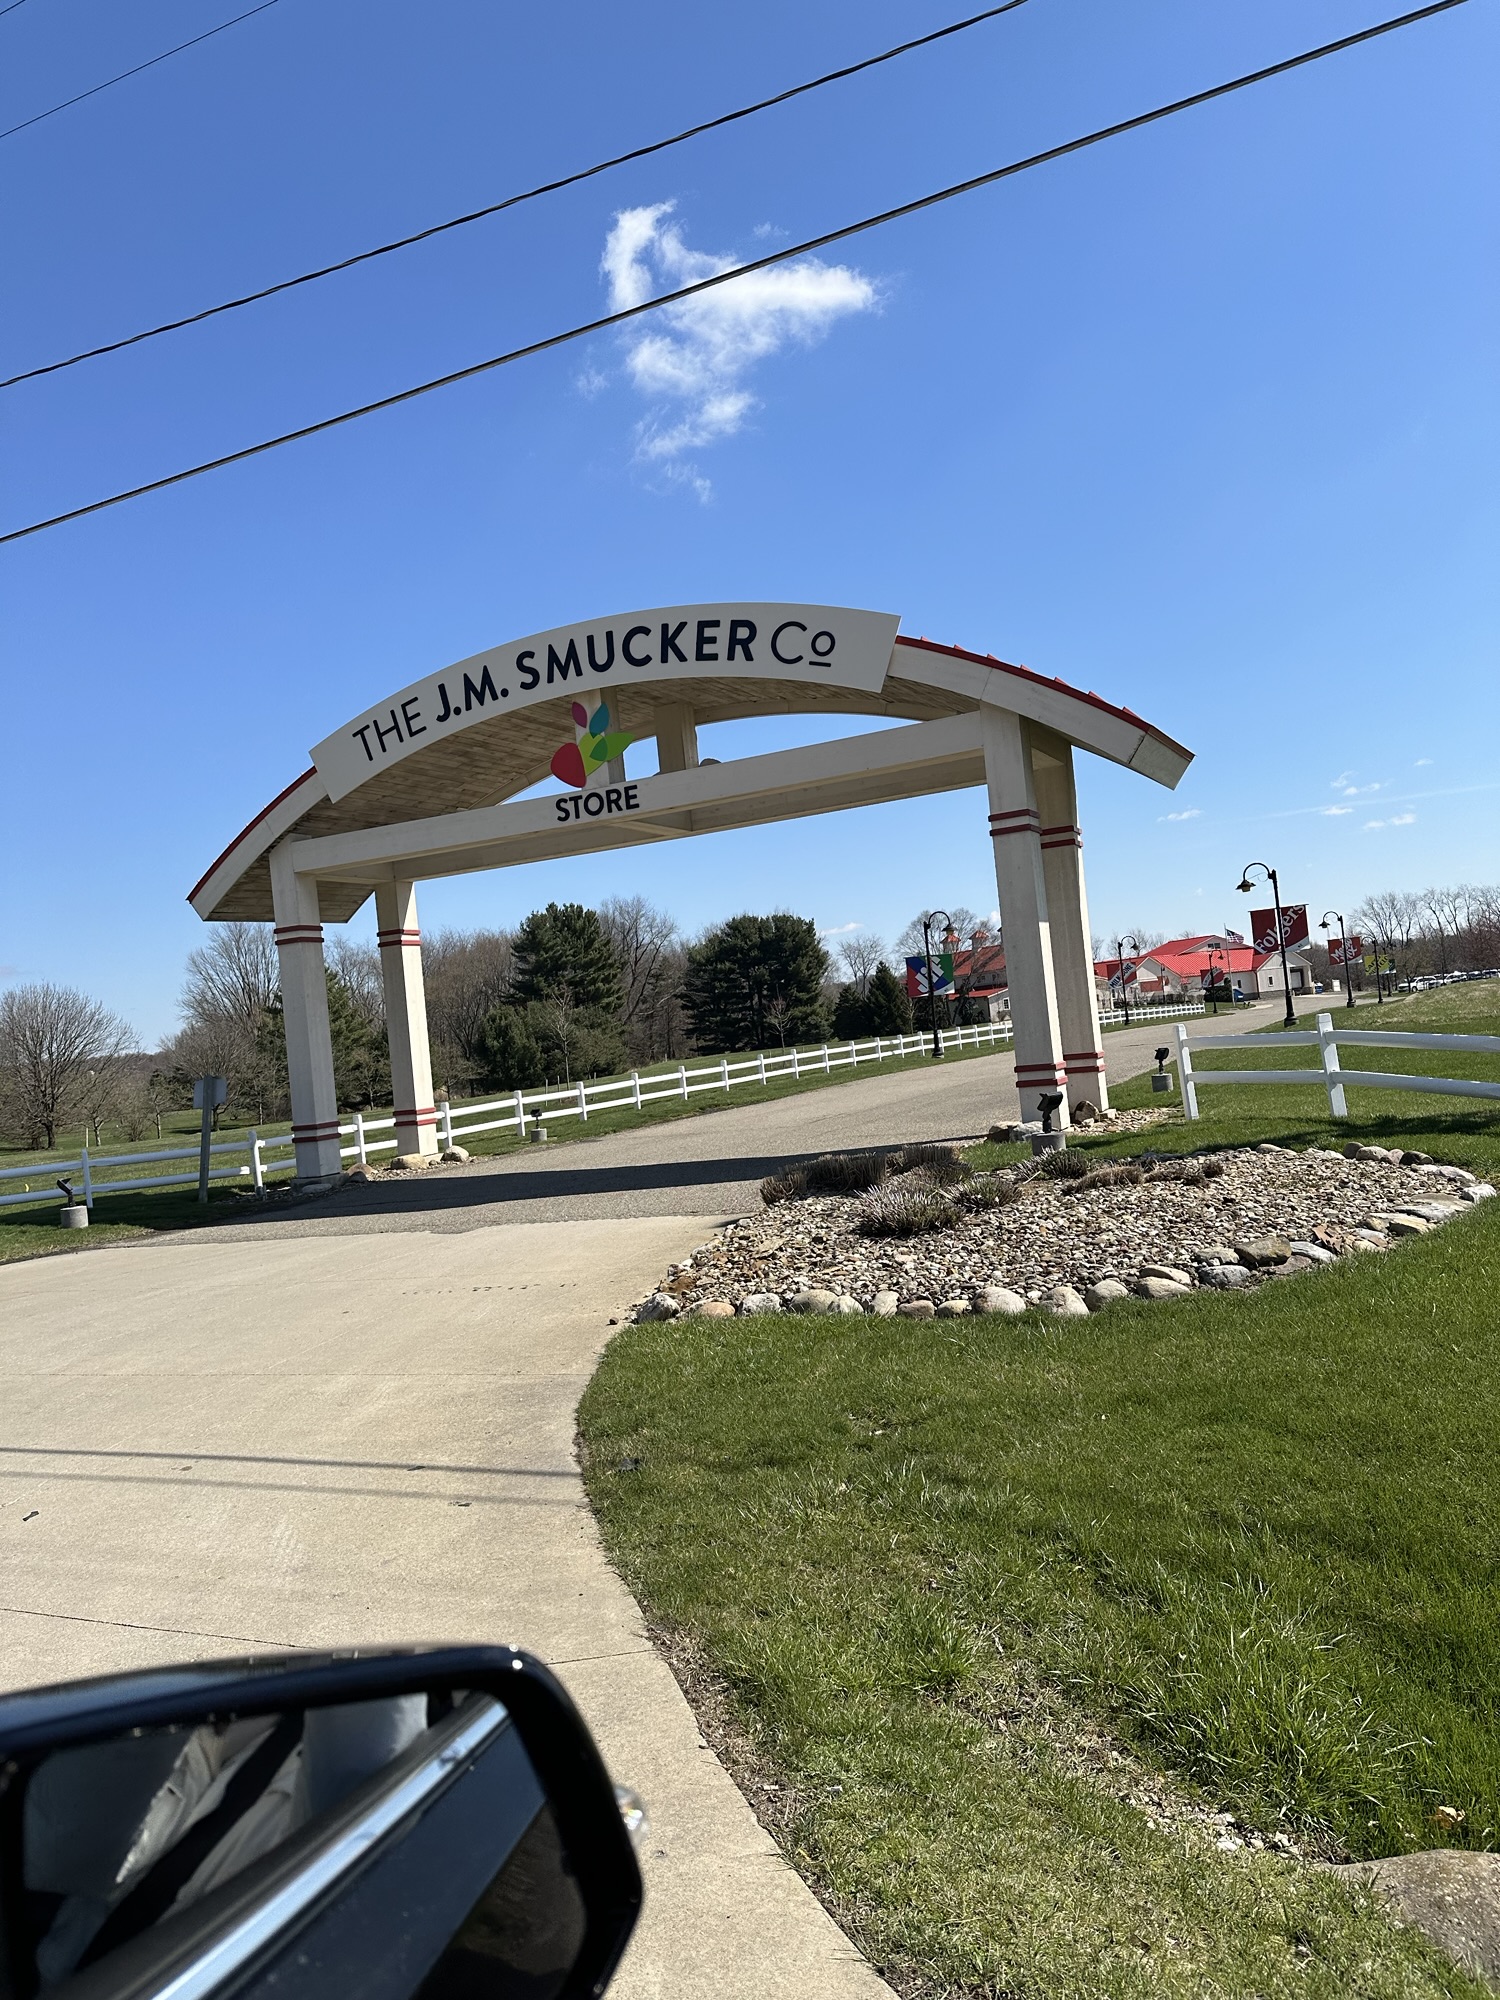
(1330, 1074)
(255, 1156)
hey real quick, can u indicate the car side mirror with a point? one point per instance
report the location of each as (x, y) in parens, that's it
(432, 1822)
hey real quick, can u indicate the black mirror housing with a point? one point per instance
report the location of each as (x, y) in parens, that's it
(481, 1849)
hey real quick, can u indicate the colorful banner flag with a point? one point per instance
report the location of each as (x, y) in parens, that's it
(916, 975)
(1356, 946)
(1293, 926)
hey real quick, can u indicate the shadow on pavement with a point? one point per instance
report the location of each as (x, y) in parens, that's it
(437, 1192)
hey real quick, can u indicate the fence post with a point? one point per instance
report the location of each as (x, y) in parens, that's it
(635, 1086)
(359, 1138)
(825, 1059)
(445, 1124)
(760, 1066)
(1328, 1048)
(724, 1070)
(796, 1070)
(257, 1172)
(1185, 1074)
(519, 1100)
(583, 1102)
(88, 1179)
(682, 1077)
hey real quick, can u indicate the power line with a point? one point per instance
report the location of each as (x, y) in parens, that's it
(151, 63)
(743, 270)
(514, 200)
(14, 4)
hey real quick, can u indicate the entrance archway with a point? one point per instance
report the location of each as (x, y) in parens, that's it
(425, 784)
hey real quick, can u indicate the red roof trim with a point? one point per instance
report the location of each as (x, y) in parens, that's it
(1042, 680)
(246, 830)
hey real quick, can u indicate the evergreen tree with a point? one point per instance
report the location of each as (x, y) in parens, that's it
(512, 1057)
(757, 979)
(887, 1005)
(565, 946)
(361, 1058)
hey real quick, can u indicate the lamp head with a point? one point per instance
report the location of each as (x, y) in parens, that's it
(1048, 1103)
(1245, 887)
(1161, 1056)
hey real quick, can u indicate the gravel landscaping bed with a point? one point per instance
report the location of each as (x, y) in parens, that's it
(1028, 1239)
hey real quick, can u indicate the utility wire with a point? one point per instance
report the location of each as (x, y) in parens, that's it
(743, 270)
(514, 200)
(14, 4)
(151, 63)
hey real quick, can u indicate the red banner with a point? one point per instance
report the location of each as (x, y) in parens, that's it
(1293, 926)
(1356, 946)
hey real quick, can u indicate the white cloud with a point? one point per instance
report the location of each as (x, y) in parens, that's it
(840, 930)
(1193, 812)
(590, 382)
(1396, 819)
(1420, 762)
(692, 359)
(1335, 812)
(1344, 778)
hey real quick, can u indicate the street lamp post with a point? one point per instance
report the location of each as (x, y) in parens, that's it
(1120, 943)
(1343, 948)
(1216, 951)
(1247, 888)
(937, 1040)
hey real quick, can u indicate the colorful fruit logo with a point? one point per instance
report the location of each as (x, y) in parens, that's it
(576, 763)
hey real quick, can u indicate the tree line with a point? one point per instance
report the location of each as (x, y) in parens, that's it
(572, 992)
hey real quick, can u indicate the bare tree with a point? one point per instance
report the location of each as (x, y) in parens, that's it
(652, 962)
(1448, 909)
(357, 968)
(235, 974)
(861, 954)
(51, 1039)
(965, 923)
(466, 974)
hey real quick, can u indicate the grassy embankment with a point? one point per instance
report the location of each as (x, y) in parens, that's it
(34, 1232)
(1256, 1539)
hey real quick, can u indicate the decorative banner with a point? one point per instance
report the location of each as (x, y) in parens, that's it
(1293, 926)
(916, 975)
(1356, 946)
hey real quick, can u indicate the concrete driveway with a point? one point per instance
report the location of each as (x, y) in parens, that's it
(355, 1424)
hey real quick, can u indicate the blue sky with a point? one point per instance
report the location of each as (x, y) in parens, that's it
(1204, 419)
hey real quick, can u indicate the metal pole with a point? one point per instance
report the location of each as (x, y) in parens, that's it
(204, 1144)
(937, 1049)
(1286, 975)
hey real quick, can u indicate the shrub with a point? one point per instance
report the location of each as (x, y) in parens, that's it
(1064, 1166)
(914, 1205)
(943, 1163)
(846, 1173)
(790, 1186)
(991, 1191)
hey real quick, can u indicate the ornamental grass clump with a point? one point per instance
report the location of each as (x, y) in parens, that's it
(944, 1164)
(988, 1191)
(913, 1205)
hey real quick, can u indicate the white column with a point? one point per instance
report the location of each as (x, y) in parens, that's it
(304, 1013)
(406, 1018)
(1015, 834)
(676, 737)
(1068, 922)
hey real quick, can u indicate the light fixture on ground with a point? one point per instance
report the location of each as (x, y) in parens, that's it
(1160, 1081)
(1246, 888)
(927, 922)
(1120, 943)
(1337, 918)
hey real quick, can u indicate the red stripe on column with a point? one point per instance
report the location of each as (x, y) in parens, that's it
(1017, 812)
(298, 934)
(427, 1117)
(383, 938)
(999, 832)
(305, 1132)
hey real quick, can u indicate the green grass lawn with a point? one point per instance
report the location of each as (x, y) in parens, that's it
(1255, 1539)
(33, 1232)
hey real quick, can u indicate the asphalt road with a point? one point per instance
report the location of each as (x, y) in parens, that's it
(712, 1164)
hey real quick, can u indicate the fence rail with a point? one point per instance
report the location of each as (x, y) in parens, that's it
(1142, 1017)
(1331, 1074)
(518, 1108)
